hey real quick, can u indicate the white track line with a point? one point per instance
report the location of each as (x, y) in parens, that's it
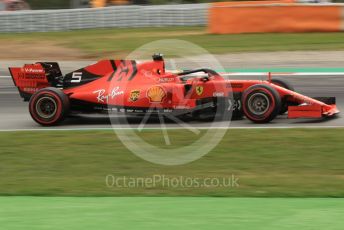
(169, 128)
(280, 74)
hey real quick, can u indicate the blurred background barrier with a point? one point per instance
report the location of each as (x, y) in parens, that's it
(65, 4)
(221, 17)
(278, 16)
(117, 16)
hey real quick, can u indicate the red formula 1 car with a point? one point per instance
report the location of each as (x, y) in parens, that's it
(145, 87)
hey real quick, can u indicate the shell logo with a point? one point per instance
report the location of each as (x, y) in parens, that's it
(156, 94)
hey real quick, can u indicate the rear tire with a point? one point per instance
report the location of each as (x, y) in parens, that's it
(285, 84)
(261, 103)
(49, 106)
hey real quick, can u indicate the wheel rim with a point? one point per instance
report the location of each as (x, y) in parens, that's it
(46, 107)
(258, 104)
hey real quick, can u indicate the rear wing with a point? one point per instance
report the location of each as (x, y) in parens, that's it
(32, 77)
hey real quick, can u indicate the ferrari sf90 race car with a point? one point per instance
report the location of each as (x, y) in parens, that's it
(134, 87)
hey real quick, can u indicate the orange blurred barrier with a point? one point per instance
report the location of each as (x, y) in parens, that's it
(273, 16)
(237, 3)
(103, 3)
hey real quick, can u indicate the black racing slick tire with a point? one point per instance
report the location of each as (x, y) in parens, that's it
(285, 84)
(49, 106)
(261, 103)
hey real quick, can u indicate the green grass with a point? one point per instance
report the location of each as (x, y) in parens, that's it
(118, 42)
(170, 213)
(268, 163)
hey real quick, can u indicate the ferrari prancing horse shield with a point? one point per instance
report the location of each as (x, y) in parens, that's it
(199, 90)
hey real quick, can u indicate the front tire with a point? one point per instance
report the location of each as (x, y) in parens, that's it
(49, 106)
(261, 103)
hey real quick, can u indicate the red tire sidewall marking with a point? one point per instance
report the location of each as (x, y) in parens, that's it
(58, 103)
(267, 113)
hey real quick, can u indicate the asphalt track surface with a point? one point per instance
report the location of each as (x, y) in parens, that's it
(14, 113)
